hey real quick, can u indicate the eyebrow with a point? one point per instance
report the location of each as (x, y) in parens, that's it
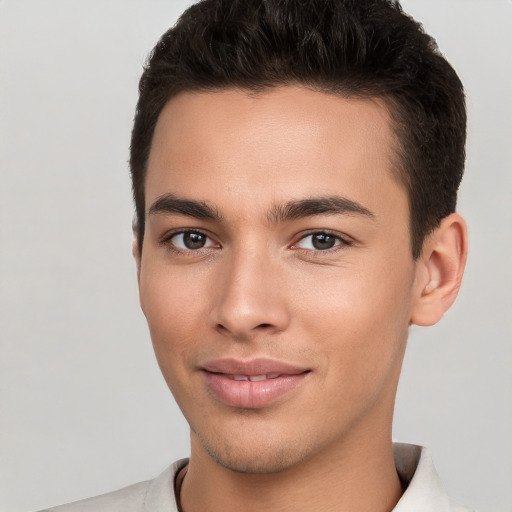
(331, 205)
(292, 210)
(169, 203)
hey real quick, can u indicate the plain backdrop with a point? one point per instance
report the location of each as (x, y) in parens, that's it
(83, 408)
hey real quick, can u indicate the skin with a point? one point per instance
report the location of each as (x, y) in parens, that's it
(260, 288)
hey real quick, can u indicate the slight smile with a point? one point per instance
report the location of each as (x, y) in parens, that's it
(251, 384)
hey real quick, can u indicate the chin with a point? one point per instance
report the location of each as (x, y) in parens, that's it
(257, 457)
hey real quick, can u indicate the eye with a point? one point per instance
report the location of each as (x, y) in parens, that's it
(191, 241)
(320, 241)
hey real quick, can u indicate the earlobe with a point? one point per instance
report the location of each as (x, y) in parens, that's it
(440, 269)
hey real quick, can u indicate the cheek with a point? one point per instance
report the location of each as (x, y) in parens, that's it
(172, 306)
(169, 295)
(351, 298)
(359, 319)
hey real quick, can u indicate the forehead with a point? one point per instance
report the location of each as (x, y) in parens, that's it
(280, 144)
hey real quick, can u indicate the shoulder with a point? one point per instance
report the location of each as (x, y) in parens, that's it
(423, 489)
(456, 507)
(155, 495)
(128, 499)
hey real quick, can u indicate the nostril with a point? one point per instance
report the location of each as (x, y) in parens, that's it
(264, 325)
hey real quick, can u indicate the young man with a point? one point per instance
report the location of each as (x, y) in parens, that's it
(295, 168)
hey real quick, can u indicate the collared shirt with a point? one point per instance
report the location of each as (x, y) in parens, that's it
(423, 493)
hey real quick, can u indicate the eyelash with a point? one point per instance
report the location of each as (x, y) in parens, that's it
(167, 241)
(340, 242)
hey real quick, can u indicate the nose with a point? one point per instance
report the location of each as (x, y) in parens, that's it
(251, 297)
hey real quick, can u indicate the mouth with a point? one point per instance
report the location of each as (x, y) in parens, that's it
(252, 384)
(254, 378)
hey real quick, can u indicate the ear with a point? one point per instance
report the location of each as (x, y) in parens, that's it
(439, 270)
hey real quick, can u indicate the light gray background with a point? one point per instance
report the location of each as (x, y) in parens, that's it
(83, 408)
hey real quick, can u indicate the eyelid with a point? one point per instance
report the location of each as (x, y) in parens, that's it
(166, 240)
(344, 240)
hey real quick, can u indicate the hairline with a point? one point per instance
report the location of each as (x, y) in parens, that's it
(391, 103)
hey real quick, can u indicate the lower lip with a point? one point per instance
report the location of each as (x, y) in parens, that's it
(251, 394)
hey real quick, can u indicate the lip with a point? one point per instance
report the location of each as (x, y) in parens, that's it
(274, 380)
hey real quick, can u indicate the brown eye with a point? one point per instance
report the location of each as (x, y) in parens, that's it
(191, 241)
(194, 240)
(321, 241)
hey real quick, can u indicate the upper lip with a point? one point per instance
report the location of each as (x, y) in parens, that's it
(259, 366)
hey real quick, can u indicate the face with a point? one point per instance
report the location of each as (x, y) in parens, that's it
(276, 273)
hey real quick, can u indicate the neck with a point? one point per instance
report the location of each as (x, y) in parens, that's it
(359, 475)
